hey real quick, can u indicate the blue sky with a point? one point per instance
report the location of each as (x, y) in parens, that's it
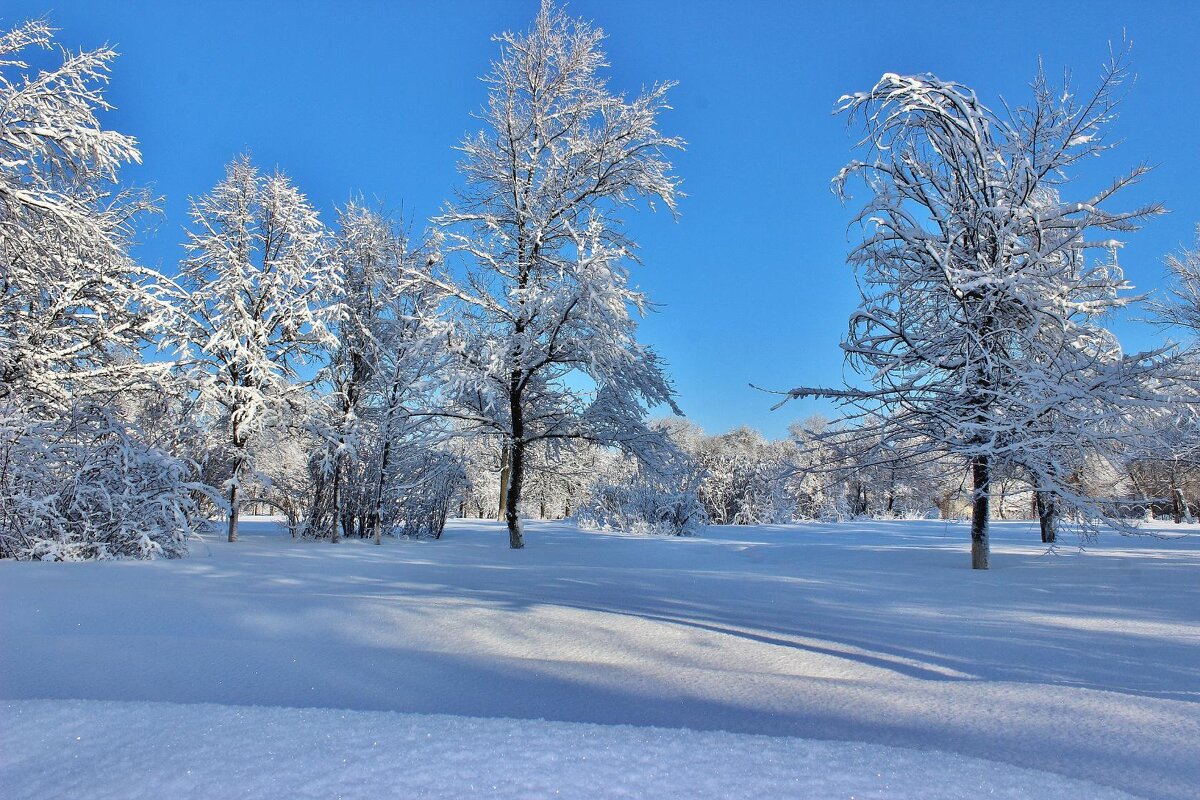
(371, 98)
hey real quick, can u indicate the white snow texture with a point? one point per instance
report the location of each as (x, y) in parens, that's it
(1055, 668)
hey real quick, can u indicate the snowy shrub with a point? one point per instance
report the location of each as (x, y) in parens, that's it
(420, 507)
(82, 487)
(746, 478)
(646, 501)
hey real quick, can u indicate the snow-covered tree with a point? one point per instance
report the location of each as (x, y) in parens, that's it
(371, 255)
(546, 308)
(843, 471)
(981, 296)
(404, 458)
(424, 493)
(560, 475)
(1181, 307)
(480, 457)
(814, 494)
(75, 309)
(382, 464)
(76, 479)
(744, 478)
(1165, 464)
(256, 300)
(282, 482)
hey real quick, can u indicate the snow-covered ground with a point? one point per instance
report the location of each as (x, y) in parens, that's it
(875, 637)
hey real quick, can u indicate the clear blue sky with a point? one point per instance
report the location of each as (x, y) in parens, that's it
(371, 97)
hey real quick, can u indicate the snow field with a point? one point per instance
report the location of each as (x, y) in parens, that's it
(1085, 665)
(128, 751)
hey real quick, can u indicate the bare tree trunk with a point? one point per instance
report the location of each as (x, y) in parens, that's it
(234, 502)
(1047, 509)
(505, 477)
(516, 478)
(980, 547)
(1182, 512)
(233, 512)
(336, 518)
(516, 467)
(376, 525)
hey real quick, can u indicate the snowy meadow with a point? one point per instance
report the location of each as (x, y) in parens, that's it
(876, 664)
(264, 504)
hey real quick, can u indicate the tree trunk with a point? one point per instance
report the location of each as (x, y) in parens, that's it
(375, 514)
(1182, 512)
(516, 466)
(234, 501)
(233, 512)
(336, 515)
(516, 478)
(505, 477)
(980, 547)
(1047, 511)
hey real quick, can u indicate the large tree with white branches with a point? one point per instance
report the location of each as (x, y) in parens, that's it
(75, 309)
(983, 287)
(545, 345)
(380, 380)
(258, 292)
(77, 480)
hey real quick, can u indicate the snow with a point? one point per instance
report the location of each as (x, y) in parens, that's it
(860, 659)
(156, 750)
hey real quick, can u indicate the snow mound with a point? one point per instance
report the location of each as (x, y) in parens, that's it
(130, 750)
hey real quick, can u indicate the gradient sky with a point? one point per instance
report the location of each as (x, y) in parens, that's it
(371, 98)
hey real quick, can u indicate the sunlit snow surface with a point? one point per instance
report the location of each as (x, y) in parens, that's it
(1075, 666)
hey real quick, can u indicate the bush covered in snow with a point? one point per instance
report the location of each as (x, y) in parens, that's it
(421, 506)
(638, 499)
(83, 487)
